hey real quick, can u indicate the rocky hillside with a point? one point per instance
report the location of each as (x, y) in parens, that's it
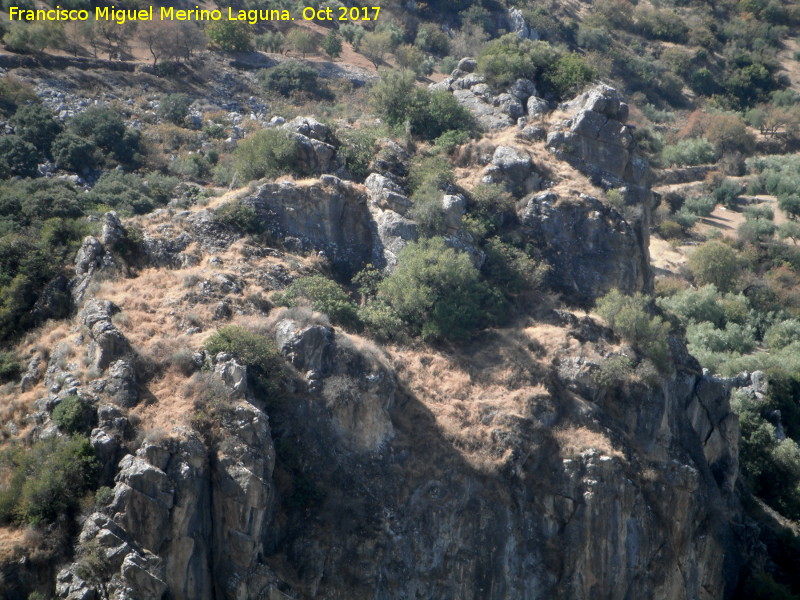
(508, 465)
(279, 326)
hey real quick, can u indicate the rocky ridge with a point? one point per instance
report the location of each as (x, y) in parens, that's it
(359, 485)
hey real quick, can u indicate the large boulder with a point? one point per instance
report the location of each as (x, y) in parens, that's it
(310, 128)
(394, 232)
(121, 385)
(313, 137)
(308, 349)
(513, 167)
(386, 194)
(90, 259)
(517, 24)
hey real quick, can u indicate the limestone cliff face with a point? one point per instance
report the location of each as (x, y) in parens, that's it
(501, 469)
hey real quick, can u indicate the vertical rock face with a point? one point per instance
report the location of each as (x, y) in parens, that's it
(590, 247)
(242, 503)
(332, 217)
(597, 141)
(184, 520)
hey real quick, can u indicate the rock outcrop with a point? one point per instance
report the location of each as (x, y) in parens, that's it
(108, 343)
(596, 139)
(492, 110)
(496, 469)
(316, 154)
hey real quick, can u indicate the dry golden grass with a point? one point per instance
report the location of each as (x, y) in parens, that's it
(481, 393)
(665, 257)
(173, 404)
(575, 440)
(12, 541)
(567, 181)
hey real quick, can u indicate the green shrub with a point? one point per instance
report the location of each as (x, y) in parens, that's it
(696, 305)
(324, 296)
(174, 108)
(567, 75)
(47, 480)
(614, 371)
(375, 45)
(430, 172)
(662, 25)
(410, 57)
(271, 41)
(10, 367)
(593, 38)
(492, 208)
(749, 85)
(506, 59)
(74, 153)
(192, 165)
(233, 36)
(716, 263)
(685, 218)
(357, 150)
(427, 210)
(438, 293)
(436, 113)
(704, 82)
(381, 321)
(265, 363)
(656, 115)
(771, 467)
(332, 44)
(782, 334)
(509, 58)
(125, 192)
(431, 38)
(790, 229)
(34, 36)
(13, 94)
(75, 415)
(447, 65)
(239, 215)
(36, 125)
(450, 140)
(727, 193)
(790, 204)
(756, 231)
(268, 153)
(670, 230)
(302, 40)
(103, 496)
(734, 338)
(293, 76)
(693, 151)
(353, 33)
(510, 269)
(105, 128)
(702, 206)
(17, 157)
(628, 316)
